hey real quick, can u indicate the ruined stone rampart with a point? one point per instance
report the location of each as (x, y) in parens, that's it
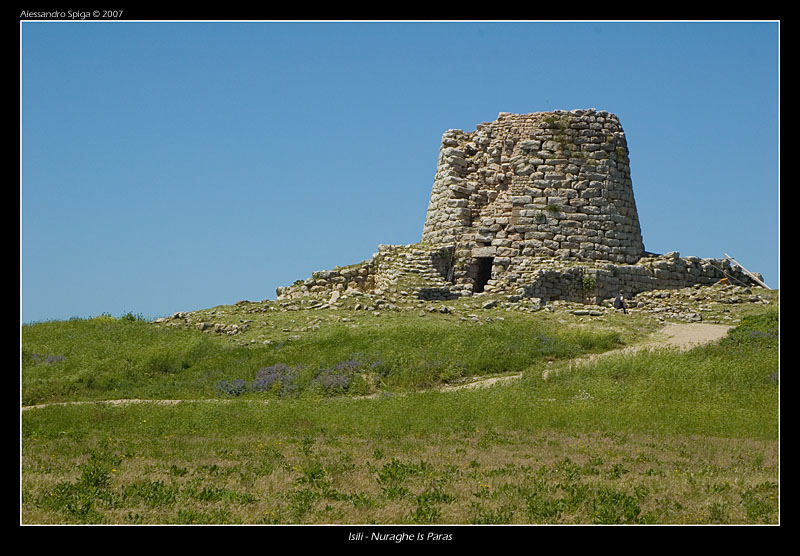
(422, 271)
(590, 283)
(393, 268)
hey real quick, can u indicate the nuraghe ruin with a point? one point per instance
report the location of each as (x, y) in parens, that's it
(532, 205)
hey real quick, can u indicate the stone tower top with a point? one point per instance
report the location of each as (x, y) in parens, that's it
(548, 184)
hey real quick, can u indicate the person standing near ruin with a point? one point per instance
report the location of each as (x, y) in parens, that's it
(619, 302)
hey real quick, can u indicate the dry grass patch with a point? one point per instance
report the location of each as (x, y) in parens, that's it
(486, 476)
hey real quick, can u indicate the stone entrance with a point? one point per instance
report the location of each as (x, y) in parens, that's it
(483, 272)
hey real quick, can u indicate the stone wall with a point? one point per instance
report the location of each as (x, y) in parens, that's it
(394, 268)
(590, 283)
(324, 282)
(422, 271)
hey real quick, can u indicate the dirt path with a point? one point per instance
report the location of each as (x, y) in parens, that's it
(108, 402)
(687, 336)
(680, 336)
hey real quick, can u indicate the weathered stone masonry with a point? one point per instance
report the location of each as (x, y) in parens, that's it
(538, 205)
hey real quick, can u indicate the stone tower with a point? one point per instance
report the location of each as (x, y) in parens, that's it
(533, 186)
(533, 205)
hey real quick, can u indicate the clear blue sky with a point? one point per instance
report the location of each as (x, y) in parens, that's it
(178, 166)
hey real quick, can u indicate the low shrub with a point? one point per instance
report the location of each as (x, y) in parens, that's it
(235, 388)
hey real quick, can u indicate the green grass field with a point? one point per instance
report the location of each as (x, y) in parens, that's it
(282, 433)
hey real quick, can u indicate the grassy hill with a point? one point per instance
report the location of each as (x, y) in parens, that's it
(297, 412)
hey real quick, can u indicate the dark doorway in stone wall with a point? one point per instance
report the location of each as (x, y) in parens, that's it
(484, 273)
